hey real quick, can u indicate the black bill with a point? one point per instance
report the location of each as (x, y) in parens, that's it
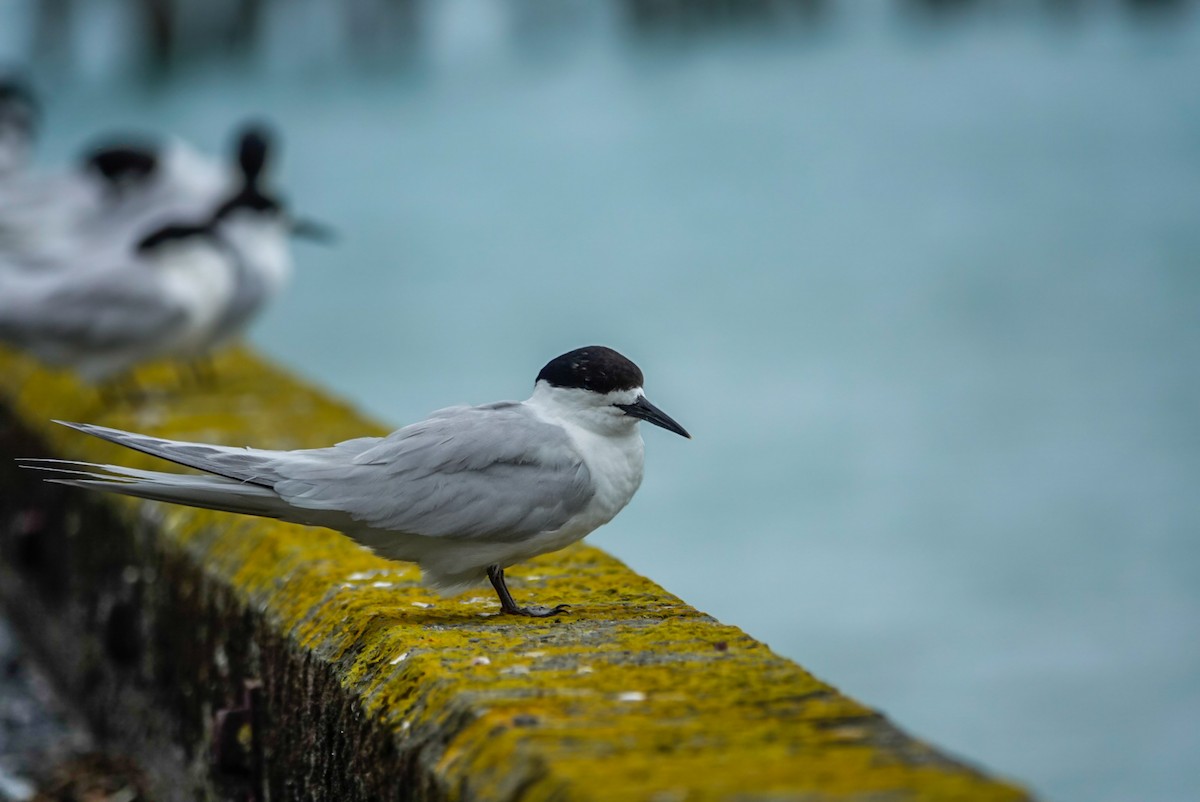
(651, 414)
(313, 231)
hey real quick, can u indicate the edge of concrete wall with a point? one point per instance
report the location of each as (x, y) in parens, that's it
(339, 677)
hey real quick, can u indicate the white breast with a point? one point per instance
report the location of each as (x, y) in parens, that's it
(261, 243)
(616, 465)
(199, 278)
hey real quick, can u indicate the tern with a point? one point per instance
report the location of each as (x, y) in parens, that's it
(19, 115)
(125, 188)
(182, 291)
(464, 494)
(161, 301)
(142, 182)
(255, 226)
(118, 194)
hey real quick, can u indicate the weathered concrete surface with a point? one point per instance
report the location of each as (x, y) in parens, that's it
(36, 730)
(372, 688)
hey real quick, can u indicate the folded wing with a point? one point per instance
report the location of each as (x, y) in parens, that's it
(494, 472)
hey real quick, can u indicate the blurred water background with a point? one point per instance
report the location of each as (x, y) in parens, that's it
(923, 280)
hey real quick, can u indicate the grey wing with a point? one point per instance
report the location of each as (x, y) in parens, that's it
(245, 465)
(122, 310)
(494, 472)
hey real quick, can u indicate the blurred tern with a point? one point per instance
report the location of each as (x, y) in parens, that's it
(465, 493)
(125, 188)
(117, 195)
(255, 227)
(144, 183)
(18, 123)
(161, 301)
(182, 291)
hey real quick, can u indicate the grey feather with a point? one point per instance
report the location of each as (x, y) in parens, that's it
(115, 314)
(212, 492)
(494, 473)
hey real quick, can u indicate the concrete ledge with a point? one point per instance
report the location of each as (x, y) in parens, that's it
(155, 617)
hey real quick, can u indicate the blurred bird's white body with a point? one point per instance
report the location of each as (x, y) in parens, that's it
(260, 245)
(185, 185)
(15, 150)
(102, 323)
(58, 220)
(18, 123)
(158, 254)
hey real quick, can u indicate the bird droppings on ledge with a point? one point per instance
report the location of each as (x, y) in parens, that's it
(632, 694)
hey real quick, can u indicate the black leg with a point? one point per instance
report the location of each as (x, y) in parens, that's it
(508, 606)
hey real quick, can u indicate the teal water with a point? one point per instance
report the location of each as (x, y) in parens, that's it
(928, 299)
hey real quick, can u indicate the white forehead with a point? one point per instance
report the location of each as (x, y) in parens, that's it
(578, 396)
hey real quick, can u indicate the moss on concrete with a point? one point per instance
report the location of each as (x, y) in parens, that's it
(376, 688)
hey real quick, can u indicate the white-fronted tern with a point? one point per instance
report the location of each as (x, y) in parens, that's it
(144, 183)
(464, 493)
(163, 300)
(19, 113)
(124, 189)
(117, 195)
(182, 292)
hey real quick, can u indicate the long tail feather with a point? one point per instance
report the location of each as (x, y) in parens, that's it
(210, 492)
(243, 464)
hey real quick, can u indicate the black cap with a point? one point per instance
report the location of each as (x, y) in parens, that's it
(122, 162)
(596, 368)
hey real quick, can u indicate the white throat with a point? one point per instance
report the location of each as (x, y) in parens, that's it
(198, 276)
(607, 439)
(262, 246)
(586, 410)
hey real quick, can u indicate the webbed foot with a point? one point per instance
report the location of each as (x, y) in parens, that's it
(537, 611)
(509, 607)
